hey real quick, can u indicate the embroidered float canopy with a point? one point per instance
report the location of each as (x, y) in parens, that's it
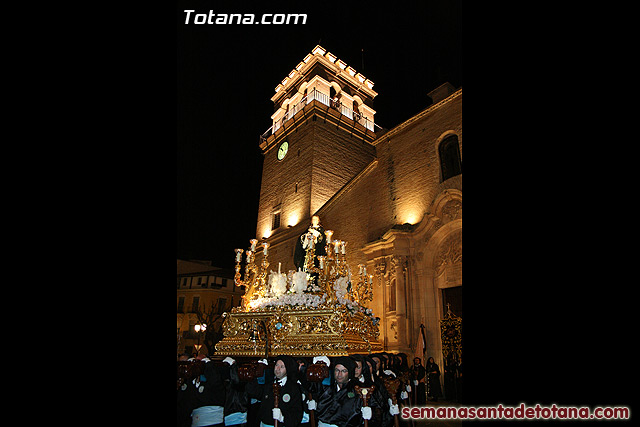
(314, 311)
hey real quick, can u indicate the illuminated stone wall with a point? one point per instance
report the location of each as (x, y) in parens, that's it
(384, 195)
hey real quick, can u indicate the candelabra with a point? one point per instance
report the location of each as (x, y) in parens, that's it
(322, 272)
(254, 281)
(314, 311)
(362, 291)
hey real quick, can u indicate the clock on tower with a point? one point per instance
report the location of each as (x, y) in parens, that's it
(282, 151)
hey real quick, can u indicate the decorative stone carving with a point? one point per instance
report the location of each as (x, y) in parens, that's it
(452, 210)
(450, 252)
(380, 267)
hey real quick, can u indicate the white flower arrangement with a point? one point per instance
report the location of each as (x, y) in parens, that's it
(277, 283)
(290, 290)
(289, 299)
(299, 282)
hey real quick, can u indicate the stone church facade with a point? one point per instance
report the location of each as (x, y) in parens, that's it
(395, 196)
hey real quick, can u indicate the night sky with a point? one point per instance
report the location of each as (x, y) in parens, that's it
(227, 75)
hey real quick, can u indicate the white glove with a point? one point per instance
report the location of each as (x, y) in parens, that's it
(389, 372)
(206, 360)
(415, 382)
(366, 412)
(277, 414)
(408, 388)
(263, 361)
(324, 359)
(394, 409)
(229, 360)
(312, 405)
(404, 395)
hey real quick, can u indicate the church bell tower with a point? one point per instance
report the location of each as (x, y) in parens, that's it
(320, 138)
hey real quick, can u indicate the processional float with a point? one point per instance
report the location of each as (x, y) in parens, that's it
(315, 311)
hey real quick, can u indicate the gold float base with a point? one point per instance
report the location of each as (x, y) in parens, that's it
(298, 332)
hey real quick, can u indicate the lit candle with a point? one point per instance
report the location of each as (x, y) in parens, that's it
(371, 279)
(365, 271)
(344, 247)
(361, 267)
(265, 246)
(279, 265)
(239, 255)
(336, 246)
(329, 233)
(253, 242)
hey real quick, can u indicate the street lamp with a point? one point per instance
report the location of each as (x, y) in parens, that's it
(199, 328)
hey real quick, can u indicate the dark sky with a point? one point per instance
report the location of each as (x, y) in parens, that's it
(227, 75)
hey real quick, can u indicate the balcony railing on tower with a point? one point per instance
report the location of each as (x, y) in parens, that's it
(326, 100)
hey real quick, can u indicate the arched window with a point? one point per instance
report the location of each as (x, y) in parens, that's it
(450, 163)
(333, 97)
(356, 110)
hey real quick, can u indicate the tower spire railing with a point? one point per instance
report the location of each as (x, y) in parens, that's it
(323, 98)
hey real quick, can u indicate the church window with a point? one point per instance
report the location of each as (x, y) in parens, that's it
(275, 220)
(450, 163)
(356, 111)
(333, 98)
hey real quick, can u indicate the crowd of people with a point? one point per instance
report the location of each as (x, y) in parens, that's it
(346, 391)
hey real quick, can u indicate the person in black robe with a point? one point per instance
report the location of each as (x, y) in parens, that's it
(452, 377)
(187, 371)
(402, 365)
(377, 358)
(237, 401)
(385, 368)
(402, 370)
(207, 392)
(418, 380)
(433, 379)
(304, 389)
(289, 410)
(315, 232)
(379, 399)
(338, 404)
(253, 419)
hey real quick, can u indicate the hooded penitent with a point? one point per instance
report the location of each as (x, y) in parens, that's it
(348, 363)
(291, 365)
